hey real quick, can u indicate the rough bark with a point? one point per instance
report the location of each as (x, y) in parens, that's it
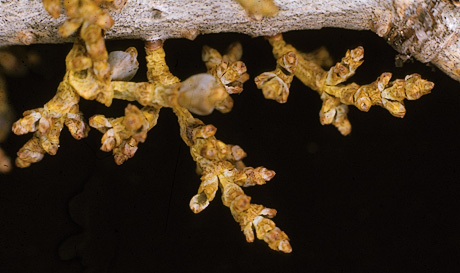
(426, 30)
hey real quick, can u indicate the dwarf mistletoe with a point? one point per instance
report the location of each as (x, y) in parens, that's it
(92, 73)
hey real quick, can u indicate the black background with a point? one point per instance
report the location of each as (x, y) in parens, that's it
(383, 199)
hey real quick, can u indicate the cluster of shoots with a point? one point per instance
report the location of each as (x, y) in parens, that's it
(336, 96)
(94, 74)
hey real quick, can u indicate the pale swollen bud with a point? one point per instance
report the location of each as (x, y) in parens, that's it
(123, 64)
(200, 94)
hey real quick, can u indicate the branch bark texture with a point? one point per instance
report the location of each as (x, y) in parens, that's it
(426, 30)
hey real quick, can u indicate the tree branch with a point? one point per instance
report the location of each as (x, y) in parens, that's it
(426, 30)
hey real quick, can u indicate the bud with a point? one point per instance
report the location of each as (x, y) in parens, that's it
(200, 94)
(123, 64)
